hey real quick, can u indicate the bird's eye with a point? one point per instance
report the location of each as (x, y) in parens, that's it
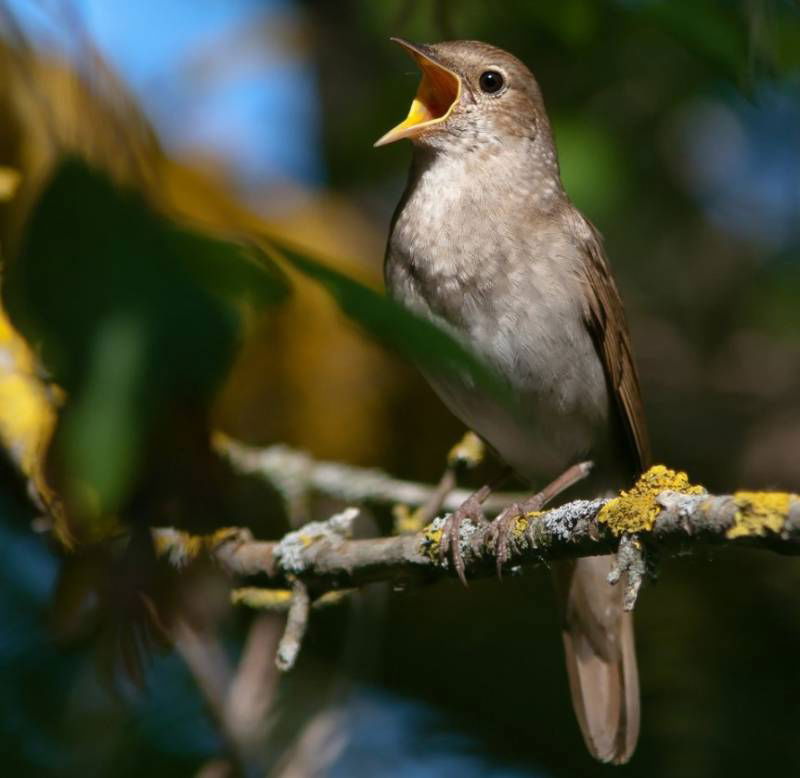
(491, 81)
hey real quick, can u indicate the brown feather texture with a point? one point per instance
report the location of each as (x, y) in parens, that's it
(605, 318)
(486, 243)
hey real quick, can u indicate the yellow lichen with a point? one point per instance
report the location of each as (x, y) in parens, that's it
(279, 600)
(636, 510)
(183, 547)
(433, 537)
(759, 513)
(263, 599)
(522, 522)
(406, 521)
(469, 451)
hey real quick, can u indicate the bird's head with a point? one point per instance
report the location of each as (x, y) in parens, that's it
(471, 94)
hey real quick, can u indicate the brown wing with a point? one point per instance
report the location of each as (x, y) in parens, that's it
(605, 319)
(597, 633)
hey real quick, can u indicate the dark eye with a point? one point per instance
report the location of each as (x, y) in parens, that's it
(491, 81)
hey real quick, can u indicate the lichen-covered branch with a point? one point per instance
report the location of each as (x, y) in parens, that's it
(296, 624)
(295, 475)
(662, 511)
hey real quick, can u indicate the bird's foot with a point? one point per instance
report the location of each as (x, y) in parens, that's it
(501, 528)
(451, 531)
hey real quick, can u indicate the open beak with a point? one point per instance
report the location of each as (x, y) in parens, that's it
(438, 93)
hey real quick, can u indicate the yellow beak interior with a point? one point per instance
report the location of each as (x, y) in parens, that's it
(438, 93)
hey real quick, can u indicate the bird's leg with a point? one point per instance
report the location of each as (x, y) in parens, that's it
(471, 508)
(501, 527)
(451, 531)
(466, 454)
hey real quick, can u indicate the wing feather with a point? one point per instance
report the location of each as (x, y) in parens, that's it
(605, 319)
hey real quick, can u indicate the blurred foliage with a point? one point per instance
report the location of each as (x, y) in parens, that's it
(141, 322)
(132, 317)
(429, 346)
(161, 332)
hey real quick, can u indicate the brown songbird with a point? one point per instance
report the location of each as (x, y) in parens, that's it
(486, 243)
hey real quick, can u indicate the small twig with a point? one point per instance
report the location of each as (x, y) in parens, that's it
(320, 743)
(296, 624)
(295, 474)
(631, 564)
(466, 454)
(252, 689)
(428, 511)
(280, 600)
(211, 671)
(237, 698)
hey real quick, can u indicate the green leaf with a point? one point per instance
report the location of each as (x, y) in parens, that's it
(132, 314)
(430, 346)
(102, 429)
(91, 250)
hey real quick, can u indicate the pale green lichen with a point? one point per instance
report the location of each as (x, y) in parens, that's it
(537, 531)
(759, 513)
(636, 510)
(290, 551)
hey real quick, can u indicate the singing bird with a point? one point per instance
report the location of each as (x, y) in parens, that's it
(486, 243)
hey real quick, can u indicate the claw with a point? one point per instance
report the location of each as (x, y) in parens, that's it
(502, 527)
(451, 532)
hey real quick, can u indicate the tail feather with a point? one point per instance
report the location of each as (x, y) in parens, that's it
(601, 659)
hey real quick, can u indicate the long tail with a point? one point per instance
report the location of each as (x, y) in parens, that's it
(601, 657)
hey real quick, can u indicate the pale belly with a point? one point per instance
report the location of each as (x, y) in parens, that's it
(560, 410)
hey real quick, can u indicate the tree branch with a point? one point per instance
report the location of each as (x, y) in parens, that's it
(295, 474)
(325, 558)
(296, 623)
(663, 512)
